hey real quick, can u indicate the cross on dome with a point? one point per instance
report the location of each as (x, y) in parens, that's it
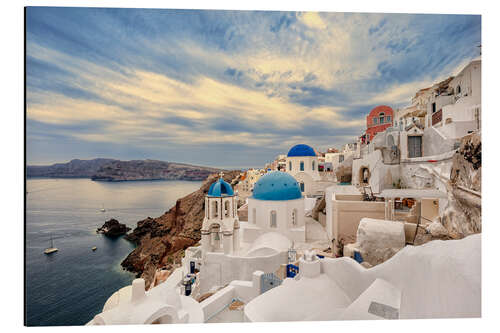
(221, 174)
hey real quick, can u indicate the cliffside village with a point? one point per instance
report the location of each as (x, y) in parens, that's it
(386, 227)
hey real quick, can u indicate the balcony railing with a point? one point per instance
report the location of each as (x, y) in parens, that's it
(437, 117)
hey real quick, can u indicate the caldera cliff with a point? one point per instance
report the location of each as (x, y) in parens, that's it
(162, 240)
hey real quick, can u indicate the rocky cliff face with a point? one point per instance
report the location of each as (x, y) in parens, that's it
(161, 241)
(462, 217)
(151, 170)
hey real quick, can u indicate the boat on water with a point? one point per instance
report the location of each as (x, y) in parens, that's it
(94, 248)
(102, 209)
(51, 248)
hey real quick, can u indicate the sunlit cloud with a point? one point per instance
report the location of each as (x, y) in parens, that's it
(193, 86)
(312, 20)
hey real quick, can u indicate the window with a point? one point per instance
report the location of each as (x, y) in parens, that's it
(301, 165)
(290, 166)
(375, 120)
(273, 223)
(226, 208)
(312, 166)
(433, 107)
(388, 119)
(254, 216)
(381, 116)
(459, 89)
(294, 216)
(341, 158)
(302, 186)
(216, 209)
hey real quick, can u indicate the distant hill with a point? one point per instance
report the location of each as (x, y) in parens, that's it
(103, 169)
(74, 169)
(151, 170)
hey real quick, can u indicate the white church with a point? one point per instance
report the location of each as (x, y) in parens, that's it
(302, 164)
(233, 250)
(277, 205)
(221, 219)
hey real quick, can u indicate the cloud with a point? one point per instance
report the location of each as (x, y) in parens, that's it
(312, 20)
(185, 84)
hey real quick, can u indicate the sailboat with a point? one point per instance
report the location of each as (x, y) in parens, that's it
(102, 209)
(51, 249)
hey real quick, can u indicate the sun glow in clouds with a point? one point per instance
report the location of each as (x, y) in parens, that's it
(192, 86)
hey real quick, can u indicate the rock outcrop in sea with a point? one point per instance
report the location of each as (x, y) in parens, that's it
(161, 241)
(113, 228)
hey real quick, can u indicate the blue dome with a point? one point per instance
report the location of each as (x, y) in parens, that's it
(276, 185)
(301, 150)
(220, 188)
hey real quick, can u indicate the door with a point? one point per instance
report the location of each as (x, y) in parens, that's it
(269, 281)
(414, 146)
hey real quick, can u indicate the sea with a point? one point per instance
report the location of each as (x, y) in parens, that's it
(70, 287)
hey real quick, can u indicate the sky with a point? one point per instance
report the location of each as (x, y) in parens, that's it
(228, 89)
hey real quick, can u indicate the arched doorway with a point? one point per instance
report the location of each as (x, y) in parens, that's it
(364, 175)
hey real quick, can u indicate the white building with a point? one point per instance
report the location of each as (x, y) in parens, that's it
(462, 114)
(249, 178)
(302, 164)
(348, 150)
(229, 252)
(334, 158)
(221, 219)
(162, 304)
(440, 279)
(277, 205)
(425, 134)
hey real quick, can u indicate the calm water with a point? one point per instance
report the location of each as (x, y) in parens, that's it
(70, 286)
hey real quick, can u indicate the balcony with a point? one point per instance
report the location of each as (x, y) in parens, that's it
(437, 117)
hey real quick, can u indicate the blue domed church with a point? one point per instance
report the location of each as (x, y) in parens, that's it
(220, 228)
(302, 164)
(277, 205)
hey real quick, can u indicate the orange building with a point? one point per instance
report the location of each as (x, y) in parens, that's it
(379, 118)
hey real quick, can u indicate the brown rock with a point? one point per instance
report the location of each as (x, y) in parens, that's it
(462, 216)
(162, 240)
(113, 228)
(319, 206)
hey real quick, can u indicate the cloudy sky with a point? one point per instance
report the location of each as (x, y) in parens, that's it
(223, 88)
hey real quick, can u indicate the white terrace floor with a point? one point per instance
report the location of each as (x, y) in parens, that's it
(228, 316)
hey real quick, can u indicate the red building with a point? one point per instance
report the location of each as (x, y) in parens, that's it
(378, 120)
